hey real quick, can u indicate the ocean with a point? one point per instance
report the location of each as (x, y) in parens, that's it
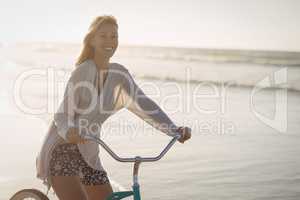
(242, 106)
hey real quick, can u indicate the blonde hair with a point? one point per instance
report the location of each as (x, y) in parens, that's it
(87, 51)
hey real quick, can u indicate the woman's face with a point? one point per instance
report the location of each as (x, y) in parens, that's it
(105, 41)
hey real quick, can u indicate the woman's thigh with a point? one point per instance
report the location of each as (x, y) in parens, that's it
(64, 173)
(68, 187)
(95, 182)
(98, 192)
(68, 168)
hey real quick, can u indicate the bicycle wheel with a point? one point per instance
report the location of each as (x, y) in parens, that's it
(29, 194)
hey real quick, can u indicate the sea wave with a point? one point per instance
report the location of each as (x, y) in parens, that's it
(260, 57)
(279, 59)
(232, 83)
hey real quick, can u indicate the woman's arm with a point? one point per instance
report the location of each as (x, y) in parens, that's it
(64, 117)
(134, 99)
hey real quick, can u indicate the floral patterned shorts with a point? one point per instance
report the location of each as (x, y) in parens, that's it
(66, 160)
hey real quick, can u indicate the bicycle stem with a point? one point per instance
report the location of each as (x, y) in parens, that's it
(136, 170)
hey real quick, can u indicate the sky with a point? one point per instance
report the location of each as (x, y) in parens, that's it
(233, 24)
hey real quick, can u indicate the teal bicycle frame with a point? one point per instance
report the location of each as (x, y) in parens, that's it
(135, 192)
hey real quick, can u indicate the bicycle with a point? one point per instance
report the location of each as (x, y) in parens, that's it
(135, 192)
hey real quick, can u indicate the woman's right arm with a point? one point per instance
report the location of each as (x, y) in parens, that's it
(65, 116)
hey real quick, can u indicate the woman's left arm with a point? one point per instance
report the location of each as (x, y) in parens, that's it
(134, 99)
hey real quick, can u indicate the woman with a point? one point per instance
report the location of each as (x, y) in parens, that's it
(96, 90)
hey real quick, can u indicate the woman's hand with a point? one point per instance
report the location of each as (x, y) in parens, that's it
(185, 134)
(74, 137)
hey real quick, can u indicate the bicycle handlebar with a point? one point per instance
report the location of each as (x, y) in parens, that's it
(141, 159)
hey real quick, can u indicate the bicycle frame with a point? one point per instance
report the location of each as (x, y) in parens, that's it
(137, 161)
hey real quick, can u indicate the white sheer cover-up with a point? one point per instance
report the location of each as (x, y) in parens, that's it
(83, 103)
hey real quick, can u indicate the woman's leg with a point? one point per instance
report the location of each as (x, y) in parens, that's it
(95, 182)
(72, 178)
(64, 170)
(68, 188)
(98, 192)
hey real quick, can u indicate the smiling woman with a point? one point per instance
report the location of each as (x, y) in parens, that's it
(101, 42)
(67, 161)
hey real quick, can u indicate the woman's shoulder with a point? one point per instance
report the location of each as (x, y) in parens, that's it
(119, 66)
(85, 69)
(119, 71)
(88, 64)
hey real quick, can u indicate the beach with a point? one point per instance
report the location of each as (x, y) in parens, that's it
(237, 151)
